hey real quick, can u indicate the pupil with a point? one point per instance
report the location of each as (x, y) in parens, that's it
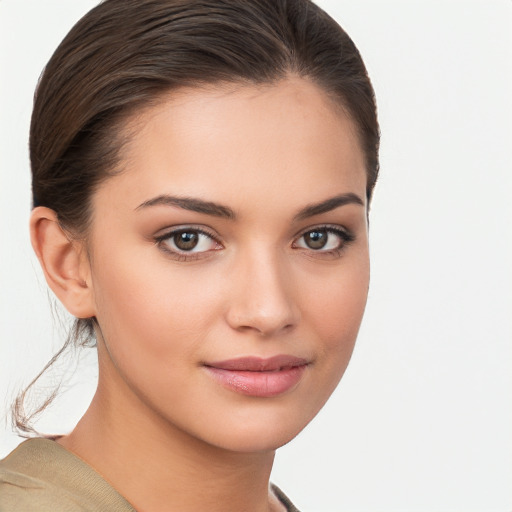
(186, 240)
(316, 239)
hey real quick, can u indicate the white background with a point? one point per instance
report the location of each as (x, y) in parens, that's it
(423, 418)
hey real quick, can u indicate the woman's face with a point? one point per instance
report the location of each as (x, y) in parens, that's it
(229, 261)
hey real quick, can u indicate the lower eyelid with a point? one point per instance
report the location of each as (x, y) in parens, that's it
(210, 240)
(345, 236)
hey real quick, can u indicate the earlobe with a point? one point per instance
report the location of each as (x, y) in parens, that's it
(63, 261)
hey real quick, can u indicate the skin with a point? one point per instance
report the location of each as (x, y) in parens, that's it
(255, 289)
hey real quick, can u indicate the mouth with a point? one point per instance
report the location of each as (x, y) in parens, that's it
(259, 377)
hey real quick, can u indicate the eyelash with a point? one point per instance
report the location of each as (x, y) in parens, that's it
(345, 236)
(181, 255)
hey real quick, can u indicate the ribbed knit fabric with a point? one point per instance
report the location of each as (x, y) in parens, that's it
(41, 475)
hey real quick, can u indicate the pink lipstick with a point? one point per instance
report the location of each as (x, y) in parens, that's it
(257, 376)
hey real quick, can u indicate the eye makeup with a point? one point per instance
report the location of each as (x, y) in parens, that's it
(191, 243)
(324, 240)
(188, 243)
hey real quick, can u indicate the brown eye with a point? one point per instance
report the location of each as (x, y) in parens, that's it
(186, 240)
(316, 239)
(324, 239)
(189, 240)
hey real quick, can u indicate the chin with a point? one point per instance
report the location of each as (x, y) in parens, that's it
(262, 428)
(255, 441)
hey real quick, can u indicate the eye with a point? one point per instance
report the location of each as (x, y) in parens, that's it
(324, 239)
(188, 241)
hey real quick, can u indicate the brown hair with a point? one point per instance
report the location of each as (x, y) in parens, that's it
(124, 54)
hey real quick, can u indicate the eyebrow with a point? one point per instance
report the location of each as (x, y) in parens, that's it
(192, 204)
(328, 205)
(219, 210)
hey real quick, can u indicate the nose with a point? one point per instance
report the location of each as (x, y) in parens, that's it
(263, 300)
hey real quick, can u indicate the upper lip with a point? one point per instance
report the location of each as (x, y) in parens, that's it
(259, 364)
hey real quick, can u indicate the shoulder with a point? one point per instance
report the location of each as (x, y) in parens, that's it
(41, 473)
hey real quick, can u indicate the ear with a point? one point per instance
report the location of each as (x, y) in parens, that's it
(64, 263)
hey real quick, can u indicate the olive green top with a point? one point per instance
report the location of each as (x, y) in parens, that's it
(41, 473)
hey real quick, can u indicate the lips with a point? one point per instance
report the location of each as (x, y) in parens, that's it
(259, 377)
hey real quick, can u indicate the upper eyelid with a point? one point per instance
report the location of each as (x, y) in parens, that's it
(176, 253)
(206, 230)
(327, 227)
(170, 230)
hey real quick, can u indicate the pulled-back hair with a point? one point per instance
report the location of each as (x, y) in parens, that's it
(125, 54)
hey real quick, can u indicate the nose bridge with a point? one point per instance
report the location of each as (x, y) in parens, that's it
(263, 299)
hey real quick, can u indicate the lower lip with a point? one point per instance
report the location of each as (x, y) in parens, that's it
(260, 384)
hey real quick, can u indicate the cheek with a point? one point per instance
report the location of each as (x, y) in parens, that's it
(336, 315)
(151, 307)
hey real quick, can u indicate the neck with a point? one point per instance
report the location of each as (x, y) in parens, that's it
(156, 466)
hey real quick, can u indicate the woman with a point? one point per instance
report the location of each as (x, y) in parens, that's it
(202, 172)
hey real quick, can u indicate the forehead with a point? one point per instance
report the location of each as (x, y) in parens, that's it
(230, 143)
